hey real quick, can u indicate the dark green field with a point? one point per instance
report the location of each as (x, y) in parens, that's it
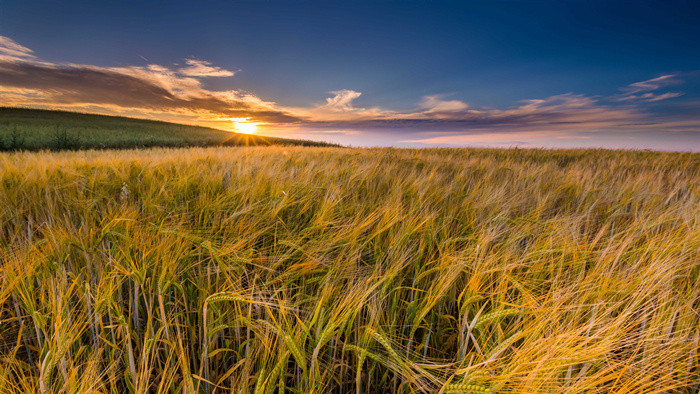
(34, 129)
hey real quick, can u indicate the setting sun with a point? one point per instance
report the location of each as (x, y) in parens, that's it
(243, 126)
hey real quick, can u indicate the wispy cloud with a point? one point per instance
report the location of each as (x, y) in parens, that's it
(436, 106)
(203, 68)
(652, 84)
(643, 91)
(342, 101)
(650, 97)
(12, 51)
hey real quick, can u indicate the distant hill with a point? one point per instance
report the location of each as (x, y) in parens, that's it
(35, 129)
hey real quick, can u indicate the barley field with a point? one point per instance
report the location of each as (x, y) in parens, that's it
(318, 270)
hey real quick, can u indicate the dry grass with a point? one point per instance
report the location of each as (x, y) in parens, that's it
(259, 270)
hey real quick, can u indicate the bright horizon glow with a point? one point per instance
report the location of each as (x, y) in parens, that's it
(241, 125)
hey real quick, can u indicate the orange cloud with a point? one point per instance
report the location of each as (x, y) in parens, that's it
(201, 68)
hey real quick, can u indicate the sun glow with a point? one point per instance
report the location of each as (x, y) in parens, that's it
(241, 125)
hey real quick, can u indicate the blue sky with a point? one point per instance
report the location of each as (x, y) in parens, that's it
(402, 73)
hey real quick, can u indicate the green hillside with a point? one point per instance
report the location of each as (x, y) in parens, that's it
(35, 129)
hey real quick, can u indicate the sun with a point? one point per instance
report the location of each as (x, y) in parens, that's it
(241, 125)
(245, 127)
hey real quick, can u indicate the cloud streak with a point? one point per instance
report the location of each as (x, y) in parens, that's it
(652, 84)
(202, 68)
(12, 51)
(643, 91)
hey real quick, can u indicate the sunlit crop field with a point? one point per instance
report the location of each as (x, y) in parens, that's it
(314, 270)
(36, 129)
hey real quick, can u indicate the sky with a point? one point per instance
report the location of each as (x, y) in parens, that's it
(554, 74)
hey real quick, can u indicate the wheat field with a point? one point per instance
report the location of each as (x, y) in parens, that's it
(316, 270)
